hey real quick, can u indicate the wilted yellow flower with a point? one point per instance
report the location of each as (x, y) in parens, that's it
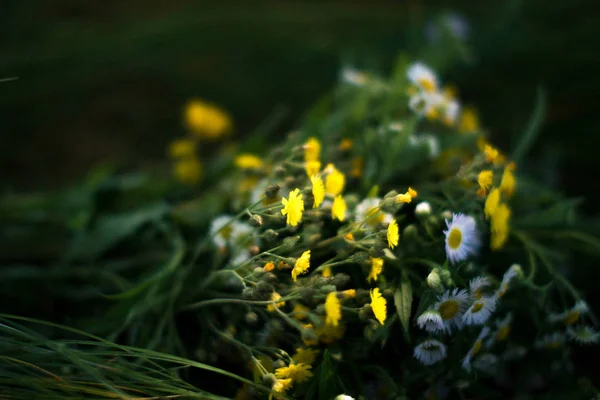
(378, 305)
(302, 265)
(312, 167)
(312, 150)
(300, 312)
(334, 183)
(507, 185)
(469, 122)
(338, 209)
(296, 372)
(326, 273)
(182, 148)
(305, 356)
(376, 268)
(500, 226)
(349, 293)
(318, 190)
(392, 234)
(206, 120)
(485, 179)
(293, 207)
(275, 296)
(248, 161)
(269, 267)
(281, 385)
(188, 171)
(333, 309)
(346, 144)
(491, 203)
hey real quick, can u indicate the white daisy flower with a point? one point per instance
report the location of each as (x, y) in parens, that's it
(583, 334)
(503, 327)
(462, 238)
(430, 352)
(431, 321)
(480, 311)
(515, 271)
(425, 104)
(571, 316)
(353, 76)
(451, 306)
(487, 363)
(368, 211)
(423, 209)
(473, 351)
(343, 397)
(476, 286)
(220, 227)
(451, 110)
(550, 341)
(423, 77)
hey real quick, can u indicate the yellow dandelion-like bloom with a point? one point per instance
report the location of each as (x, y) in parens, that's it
(305, 356)
(338, 209)
(275, 296)
(349, 293)
(492, 202)
(293, 207)
(302, 265)
(378, 305)
(403, 198)
(182, 148)
(507, 185)
(500, 226)
(376, 268)
(312, 167)
(485, 179)
(491, 153)
(469, 121)
(329, 334)
(281, 385)
(296, 372)
(269, 267)
(334, 183)
(300, 312)
(392, 234)
(248, 161)
(188, 171)
(326, 273)
(412, 192)
(312, 150)
(346, 144)
(206, 120)
(333, 309)
(318, 190)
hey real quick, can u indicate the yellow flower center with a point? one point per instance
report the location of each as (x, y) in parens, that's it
(503, 332)
(427, 85)
(454, 238)
(572, 317)
(477, 307)
(476, 347)
(448, 309)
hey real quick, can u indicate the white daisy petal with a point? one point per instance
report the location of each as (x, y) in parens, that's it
(220, 227)
(584, 334)
(473, 351)
(430, 352)
(423, 77)
(480, 311)
(431, 321)
(462, 238)
(451, 306)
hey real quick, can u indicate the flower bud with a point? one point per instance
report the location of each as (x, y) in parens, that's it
(289, 243)
(343, 397)
(251, 318)
(410, 232)
(272, 191)
(327, 289)
(270, 235)
(434, 281)
(278, 364)
(423, 209)
(446, 277)
(268, 380)
(256, 220)
(447, 215)
(340, 280)
(365, 312)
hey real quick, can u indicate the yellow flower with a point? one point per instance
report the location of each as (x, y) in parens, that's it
(334, 183)
(281, 385)
(338, 209)
(293, 207)
(296, 372)
(349, 293)
(305, 356)
(269, 267)
(491, 154)
(507, 185)
(312, 150)
(302, 265)
(329, 333)
(500, 226)
(300, 312)
(469, 122)
(275, 296)
(349, 236)
(346, 144)
(392, 234)
(312, 167)
(485, 179)
(333, 309)
(326, 273)
(206, 120)
(182, 148)
(188, 171)
(412, 192)
(358, 164)
(403, 198)
(248, 161)
(491, 203)
(376, 268)
(378, 305)
(318, 190)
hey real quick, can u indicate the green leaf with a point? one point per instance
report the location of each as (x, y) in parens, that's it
(533, 128)
(403, 301)
(373, 192)
(427, 299)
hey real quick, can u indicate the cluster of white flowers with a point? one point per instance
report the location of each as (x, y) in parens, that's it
(234, 236)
